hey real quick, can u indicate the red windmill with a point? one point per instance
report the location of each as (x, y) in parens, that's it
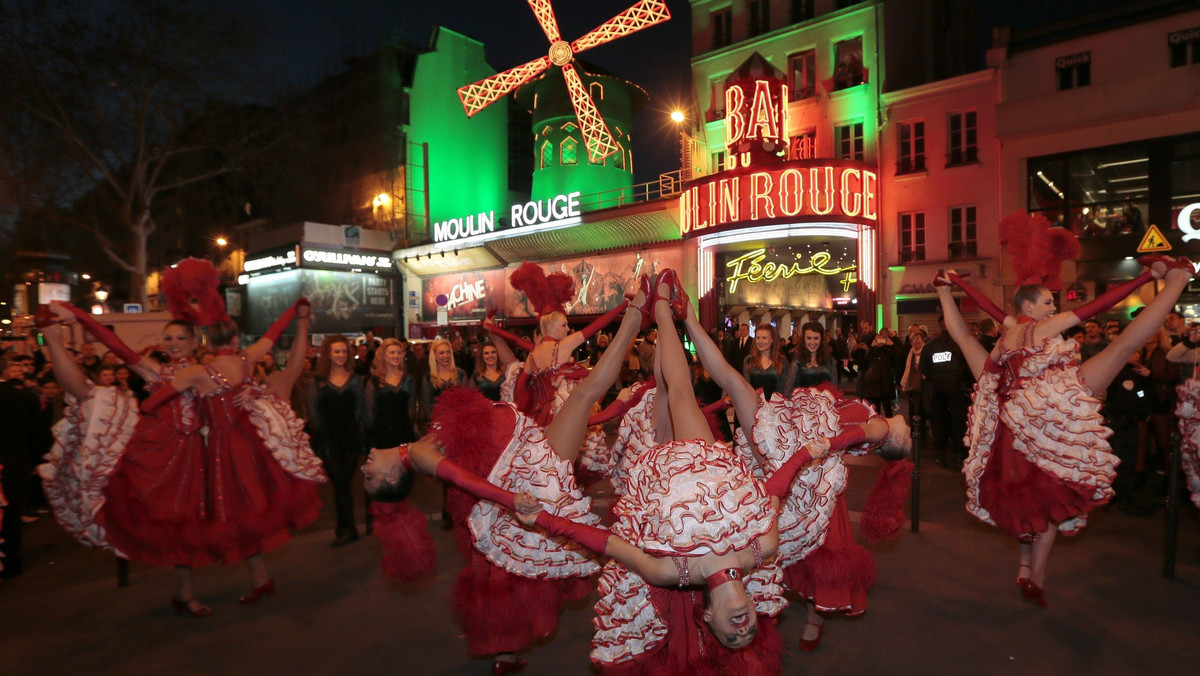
(599, 141)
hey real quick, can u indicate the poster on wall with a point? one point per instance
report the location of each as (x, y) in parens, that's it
(268, 297)
(469, 295)
(347, 302)
(601, 282)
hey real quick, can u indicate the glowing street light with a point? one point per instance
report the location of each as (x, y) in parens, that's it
(85, 276)
(221, 241)
(677, 116)
(381, 201)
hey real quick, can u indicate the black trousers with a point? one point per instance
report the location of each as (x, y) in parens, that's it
(946, 406)
(340, 467)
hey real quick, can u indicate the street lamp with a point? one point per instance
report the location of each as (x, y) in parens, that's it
(692, 152)
(221, 241)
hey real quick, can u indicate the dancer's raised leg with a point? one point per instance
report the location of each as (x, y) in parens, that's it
(687, 420)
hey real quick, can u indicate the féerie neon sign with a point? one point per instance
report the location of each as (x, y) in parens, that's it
(750, 268)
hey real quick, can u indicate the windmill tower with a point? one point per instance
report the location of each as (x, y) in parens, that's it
(574, 145)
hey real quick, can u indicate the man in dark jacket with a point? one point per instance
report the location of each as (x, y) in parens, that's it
(946, 386)
(22, 439)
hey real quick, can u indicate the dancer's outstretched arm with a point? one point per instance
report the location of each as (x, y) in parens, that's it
(68, 374)
(602, 321)
(260, 347)
(976, 295)
(975, 353)
(145, 367)
(503, 351)
(299, 352)
(510, 337)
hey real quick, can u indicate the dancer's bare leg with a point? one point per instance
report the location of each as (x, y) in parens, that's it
(1026, 561)
(258, 570)
(813, 623)
(1041, 554)
(567, 431)
(745, 399)
(687, 420)
(661, 415)
(1099, 371)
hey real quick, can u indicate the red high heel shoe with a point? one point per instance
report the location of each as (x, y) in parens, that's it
(1021, 579)
(807, 646)
(647, 286)
(265, 589)
(1034, 594)
(502, 667)
(1183, 263)
(181, 606)
(679, 297)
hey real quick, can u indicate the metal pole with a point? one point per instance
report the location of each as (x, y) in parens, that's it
(915, 509)
(1171, 536)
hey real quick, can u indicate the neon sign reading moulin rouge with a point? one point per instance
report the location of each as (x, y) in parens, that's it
(749, 268)
(538, 212)
(800, 190)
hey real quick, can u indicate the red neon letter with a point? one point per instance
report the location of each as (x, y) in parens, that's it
(791, 192)
(814, 187)
(735, 124)
(760, 191)
(847, 211)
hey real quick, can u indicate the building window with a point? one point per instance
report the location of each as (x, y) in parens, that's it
(963, 139)
(722, 28)
(962, 233)
(547, 155)
(912, 148)
(718, 160)
(850, 142)
(760, 16)
(802, 10)
(1185, 47)
(569, 152)
(1074, 71)
(848, 64)
(803, 67)
(803, 146)
(912, 237)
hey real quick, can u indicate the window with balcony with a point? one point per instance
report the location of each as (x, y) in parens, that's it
(803, 69)
(962, 233)
(963, 142)
(850, 141)
(760, 16)
(722, 28)
(848, 64)
(911, 157)
(802, 10)
(912, 237)
(1074, 71)
(803, 146)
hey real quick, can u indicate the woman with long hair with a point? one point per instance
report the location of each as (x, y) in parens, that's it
(443, 374)
(339, 415)
(1038, 479)
(910, 381)
(765, 368)
(814, 358)
(489, 373)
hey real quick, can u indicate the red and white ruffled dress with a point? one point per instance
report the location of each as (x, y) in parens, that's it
(635, 436)
(1038, 449)
(1187, 411)
(686, 498)
(819, 556)
(515, 580)
(541, 396)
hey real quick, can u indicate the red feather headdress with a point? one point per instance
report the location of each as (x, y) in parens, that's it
(1036, 249)
(546, 293)
(190, 287)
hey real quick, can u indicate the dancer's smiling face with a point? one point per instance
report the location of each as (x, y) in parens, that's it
(731, 616)
(1041, 307)
(178, 341)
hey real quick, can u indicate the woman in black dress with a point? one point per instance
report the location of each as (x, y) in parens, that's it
(489, 373)
(336, 402)
(814, 358)
(391, 398)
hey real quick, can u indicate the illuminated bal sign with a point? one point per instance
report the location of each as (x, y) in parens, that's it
(799, 191)
(346, 260)
(537, 212)
(760, 115)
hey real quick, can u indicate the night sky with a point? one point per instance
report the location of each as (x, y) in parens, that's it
(306, 40)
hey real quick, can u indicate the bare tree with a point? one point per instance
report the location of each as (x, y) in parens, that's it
(121, 101)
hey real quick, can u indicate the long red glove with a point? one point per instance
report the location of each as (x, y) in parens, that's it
(781, 481)
(976, 295)
(1111, 297)
(286, 318)
(457, 476)
(619, 408)
(107, 338)
(161, 395)
(603, 320)
(595, 539)
(511, 338)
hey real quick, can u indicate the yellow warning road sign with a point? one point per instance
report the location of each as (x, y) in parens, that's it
(1154, 241)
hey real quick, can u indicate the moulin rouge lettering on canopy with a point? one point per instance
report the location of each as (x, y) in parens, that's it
(802, 190)
(749, 268)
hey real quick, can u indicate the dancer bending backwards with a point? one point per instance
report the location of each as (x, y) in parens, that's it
(1039, 458)
(515, 580)
(818, 554)
(251, 498)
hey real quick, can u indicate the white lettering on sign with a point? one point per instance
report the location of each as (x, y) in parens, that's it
(1189, 35)
(256, 264)
(550, 209)
(347, 259)
(466, 292)
(1185, 222)
(942, 357)
(457, 228)
(1073, 60)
